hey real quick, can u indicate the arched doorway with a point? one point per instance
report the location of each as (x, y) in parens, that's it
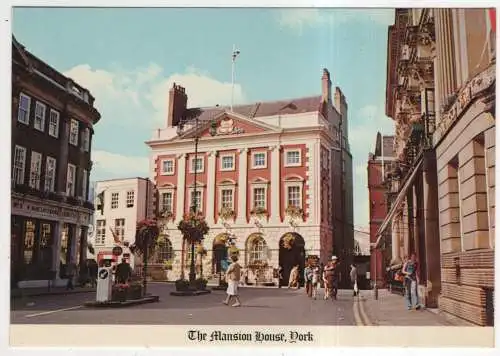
(291, 253)
(219, 252)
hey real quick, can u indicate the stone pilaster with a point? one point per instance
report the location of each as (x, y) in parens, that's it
(275, 185)
(181, 187)
(210, 214)
(242, 186)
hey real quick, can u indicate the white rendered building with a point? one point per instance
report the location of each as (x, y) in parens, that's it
(120, 204)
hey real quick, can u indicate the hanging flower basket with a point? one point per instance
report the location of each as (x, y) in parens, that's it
(288, 241)
(193, 227)
(294, 212)
(259, 212)
(146, 235)
(226, 214)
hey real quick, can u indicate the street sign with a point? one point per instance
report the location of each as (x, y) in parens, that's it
(117, 251)
(103, 274)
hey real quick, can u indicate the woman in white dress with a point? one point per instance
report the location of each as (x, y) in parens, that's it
(233, 276)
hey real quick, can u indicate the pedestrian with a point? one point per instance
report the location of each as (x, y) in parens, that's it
(331, 279)
(70, 274)
(293, 281)
(321, 271)
(412, 278)
(123, 272)
(354, 279)
(316, 281)
(280, 276)
(233, 275)
(308, 277)
(93, 273)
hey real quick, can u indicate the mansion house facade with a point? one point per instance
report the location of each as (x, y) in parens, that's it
(264, 172)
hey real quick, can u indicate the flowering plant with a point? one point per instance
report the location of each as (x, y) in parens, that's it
(146, 234)
(226, 213)
(294, 212)
(259, 212)
(121, 287)
(193, 226)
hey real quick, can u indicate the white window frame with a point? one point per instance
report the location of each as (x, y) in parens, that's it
(226, 155)
(120, 228)
(84, 184)
(100, 232)
(54, 124)
(25, 119)
(227, 187)
(256, 186)
(19, 168)
(297, 184)
(191, 191)
(162, 205)
(162, 165)
(86, 139)
(114, 204)
(70, 190)
(130, 199)
(264, 166)
(35, 170)
(50, 175)
(191, 161)
(74, 128)
(259, 253)
(292, 150)
(39, 118)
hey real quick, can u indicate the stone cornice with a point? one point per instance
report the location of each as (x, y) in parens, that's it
(466, 95)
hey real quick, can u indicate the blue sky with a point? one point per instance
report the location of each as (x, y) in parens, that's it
(129, 58)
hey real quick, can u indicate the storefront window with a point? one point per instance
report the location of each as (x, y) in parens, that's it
(46, 245)
(29, 241)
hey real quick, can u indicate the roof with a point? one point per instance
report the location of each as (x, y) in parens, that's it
(260, 109)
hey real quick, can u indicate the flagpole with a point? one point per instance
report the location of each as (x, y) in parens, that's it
(235, 54)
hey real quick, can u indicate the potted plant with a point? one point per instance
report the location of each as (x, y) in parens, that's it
(259, 212)
(135, 291)
(181, 285)
(294, 212)
(226, 214)
(201, 283)
(146, 235)
(119, 292)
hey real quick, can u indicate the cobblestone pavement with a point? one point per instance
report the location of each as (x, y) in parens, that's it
(264, 306)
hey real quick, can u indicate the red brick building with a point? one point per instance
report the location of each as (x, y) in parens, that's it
(379, 164)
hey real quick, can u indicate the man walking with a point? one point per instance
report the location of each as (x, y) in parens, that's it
(354, 279)
(123, 272)
(410, 272)
(70, 274)
(308, 277)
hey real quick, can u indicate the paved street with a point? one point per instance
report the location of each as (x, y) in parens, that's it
(261, 306)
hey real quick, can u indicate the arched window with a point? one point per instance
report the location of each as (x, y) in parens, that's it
(165, 251)
(257, 250)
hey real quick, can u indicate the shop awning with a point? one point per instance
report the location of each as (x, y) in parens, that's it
(397, 203)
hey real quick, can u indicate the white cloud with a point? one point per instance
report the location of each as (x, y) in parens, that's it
(299, 18)
(113, 165)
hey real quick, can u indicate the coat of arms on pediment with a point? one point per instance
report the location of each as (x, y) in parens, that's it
(225, 126)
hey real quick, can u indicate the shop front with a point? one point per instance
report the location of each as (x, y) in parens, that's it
(45, 237)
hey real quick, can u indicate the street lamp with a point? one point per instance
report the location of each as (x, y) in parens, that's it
(194, 199)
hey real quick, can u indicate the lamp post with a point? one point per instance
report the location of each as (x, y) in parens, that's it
(194, 198)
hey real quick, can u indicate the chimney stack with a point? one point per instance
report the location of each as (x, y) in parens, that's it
(326, 86)
(177, 105)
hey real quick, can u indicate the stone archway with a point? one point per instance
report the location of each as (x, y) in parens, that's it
(291, 255)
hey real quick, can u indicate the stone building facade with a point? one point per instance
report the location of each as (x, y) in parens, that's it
(266, 155)
(52, 128)
(441, 94)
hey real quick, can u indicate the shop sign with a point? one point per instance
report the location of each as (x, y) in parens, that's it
(117, 251)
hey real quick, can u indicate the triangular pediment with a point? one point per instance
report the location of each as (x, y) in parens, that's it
(229, 124)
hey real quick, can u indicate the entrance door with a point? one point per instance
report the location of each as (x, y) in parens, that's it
(290, 257)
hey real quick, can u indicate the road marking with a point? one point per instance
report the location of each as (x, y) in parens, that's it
(52, 311)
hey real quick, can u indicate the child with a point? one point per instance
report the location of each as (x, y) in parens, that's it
(315, 281)
(233, 275)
